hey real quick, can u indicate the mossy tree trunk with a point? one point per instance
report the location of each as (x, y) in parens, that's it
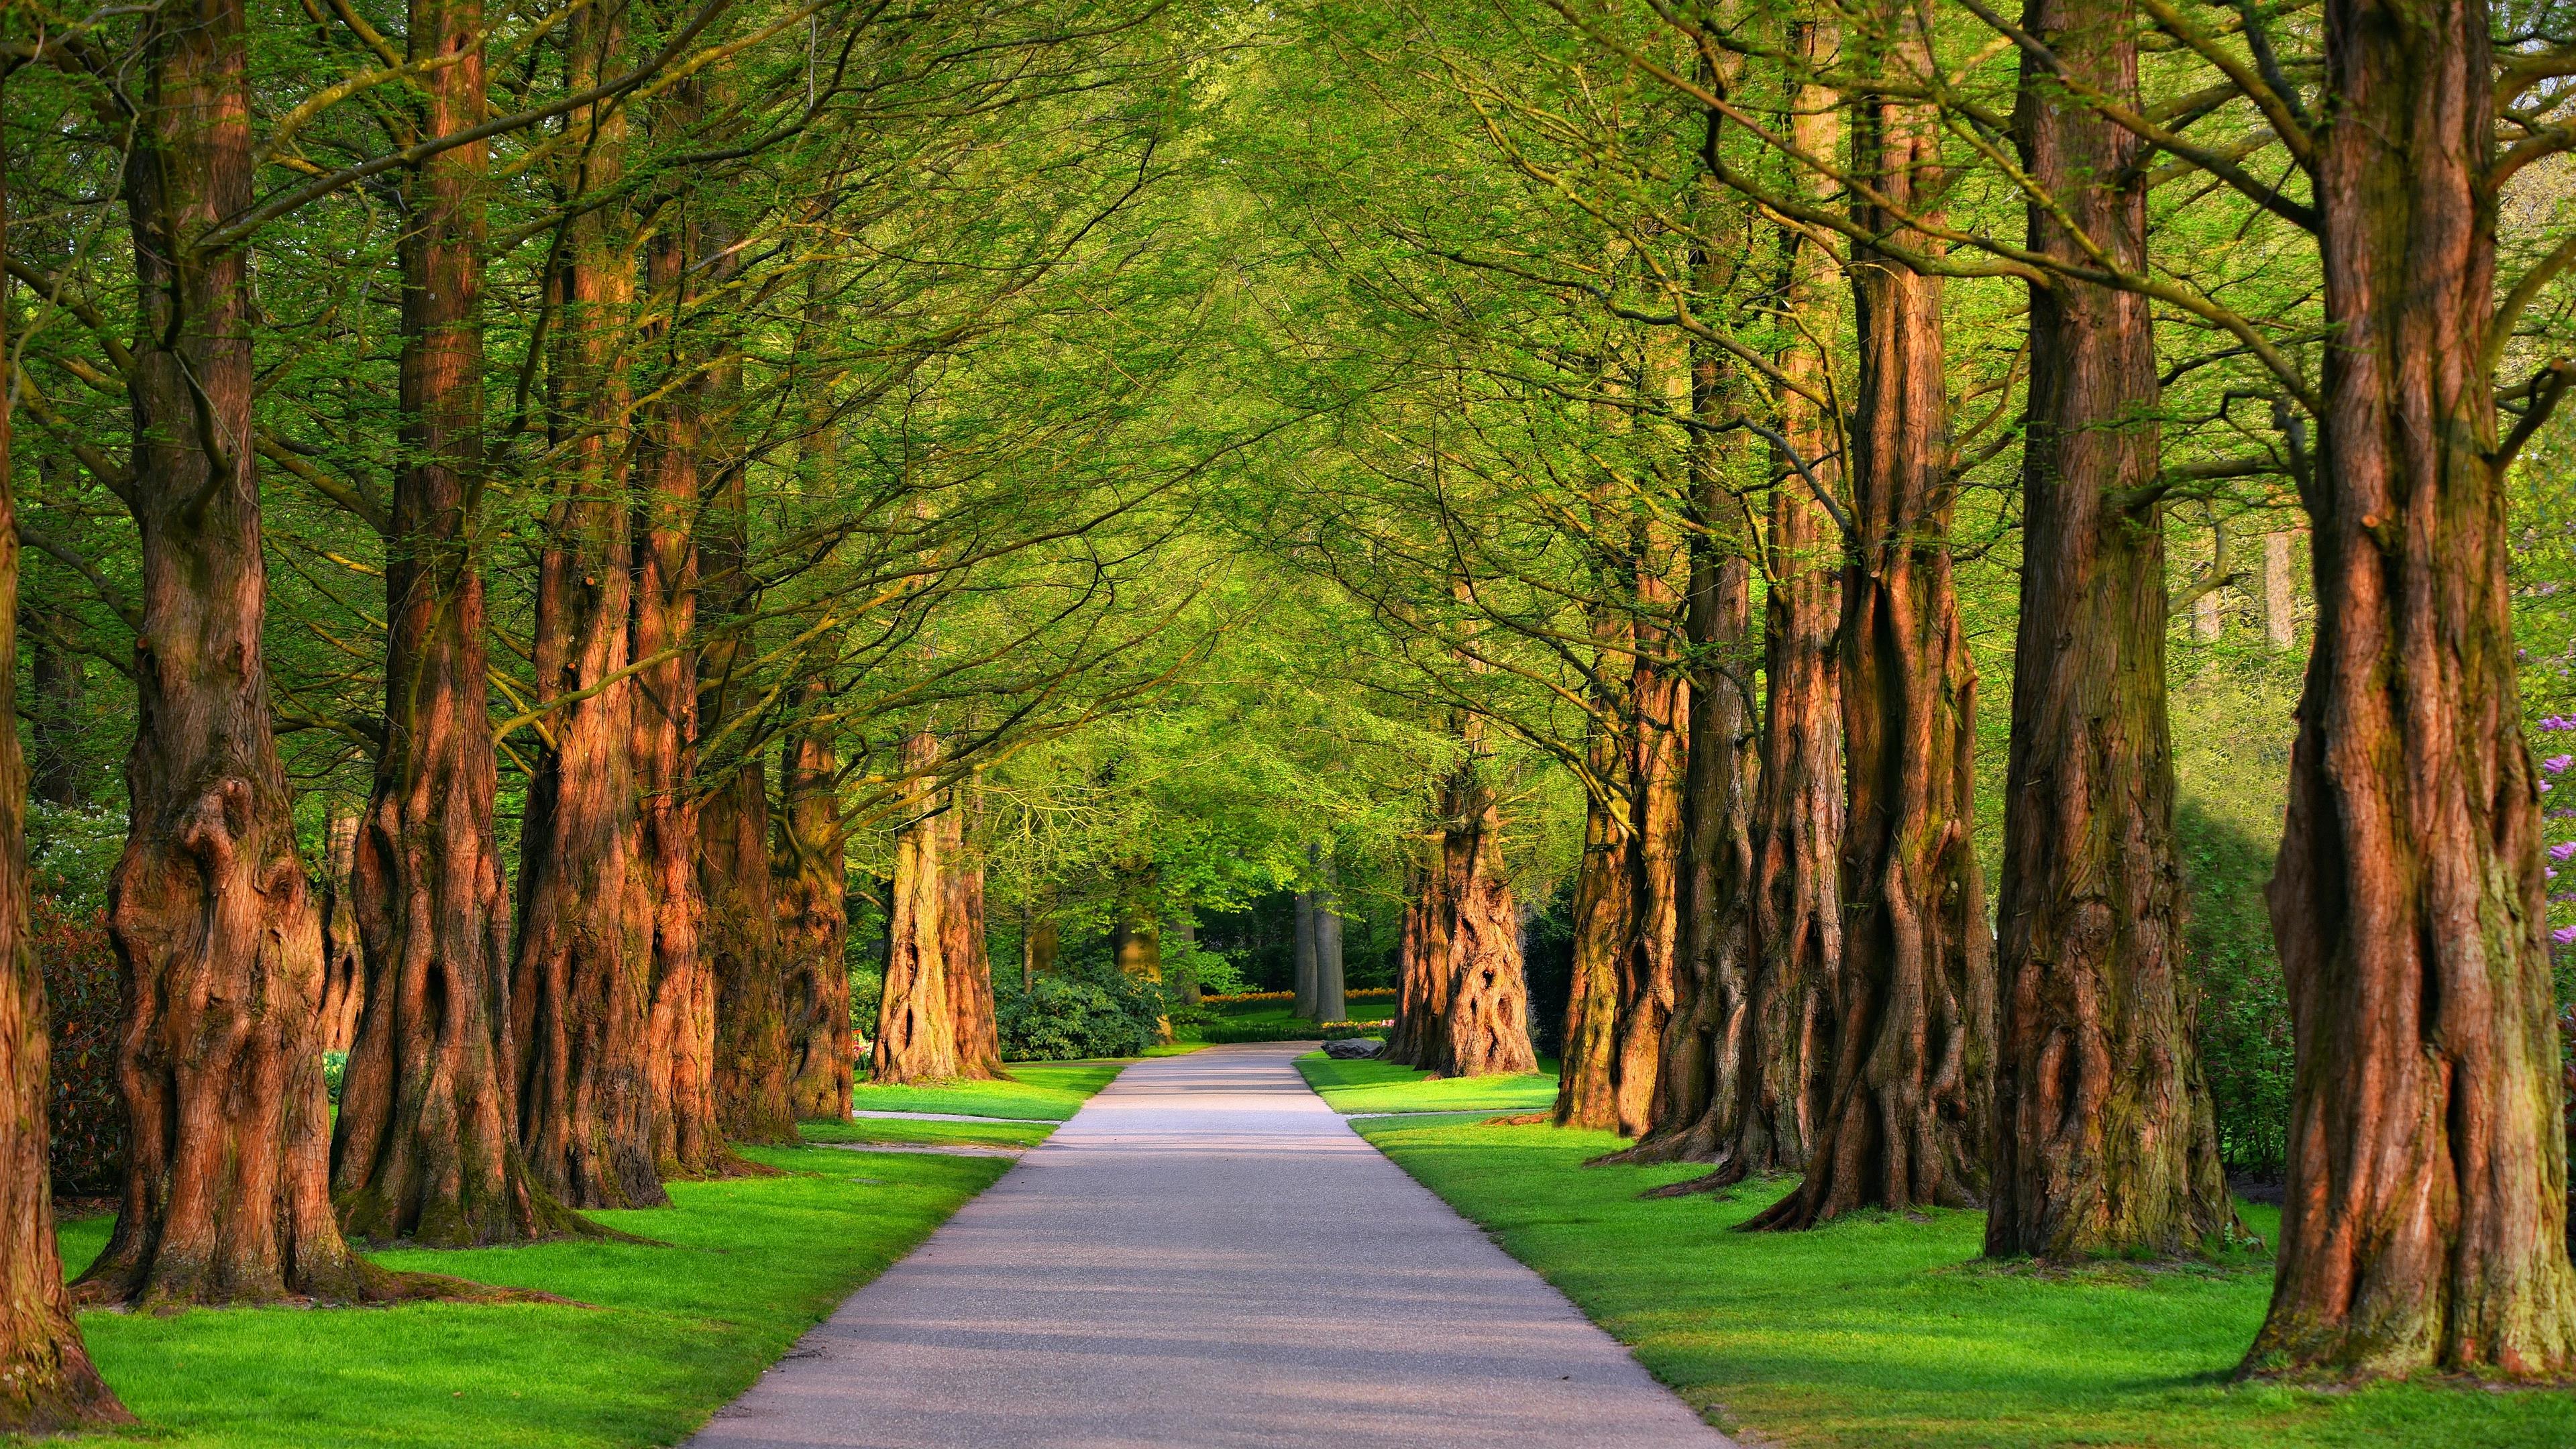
(2106, 1144)
(1909, 1116)
(2424, 1224)
(813, 913)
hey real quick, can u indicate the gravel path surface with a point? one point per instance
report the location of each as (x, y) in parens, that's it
(1206, 1257)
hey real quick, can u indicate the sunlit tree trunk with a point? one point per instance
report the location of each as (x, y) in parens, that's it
(47, 1383)
(1331, 1002)
(916, 1038)
(1909, 1116)
(813, 913)
(581, 978)
(344, 968)
(1304, 946)
(963, 944)
(1484, 1031)
(2106, 1145)
(1604, 909)
(2424, 1225)
(2280, 606)
(1658, 744)
(227, 1189)
(1422, 977)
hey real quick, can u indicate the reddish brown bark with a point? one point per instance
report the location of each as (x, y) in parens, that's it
(2106, 1143)
(226, 1195)
(1604, 912)
(1658, 744)
(1423, 980)
(916, 1038)
(813, 916)
(47, 1383)
(1909, 1115)
(1485, 1029)
(2424, 1222)
(962, 940)
(580, 988)
(427, 1146)
(344, 970)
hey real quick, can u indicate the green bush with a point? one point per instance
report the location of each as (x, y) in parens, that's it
(1078, 1010)
(86, 998)
(1225, 1033)
(335, 1065)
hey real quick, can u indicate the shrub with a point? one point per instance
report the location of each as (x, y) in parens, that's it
(335, 1065)
(87, 1005)
(1078, 1010)
(1228, 1033)
(1344, 1030)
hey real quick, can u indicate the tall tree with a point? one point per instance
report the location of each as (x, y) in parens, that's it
(813, 914)
(2424, 1224)
(47, 1383)
(1485, 1028)
(2105, 1143)
(226, 1195)
(426, 1146)
(1909, 1117)
(962, 941)
(580, 988)
(916, 1038)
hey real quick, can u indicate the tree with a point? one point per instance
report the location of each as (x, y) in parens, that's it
(810, 868)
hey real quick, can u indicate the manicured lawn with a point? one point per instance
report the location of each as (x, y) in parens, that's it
(670, 1333)
(1882, 1332)
(1366, 1086)
(896, 1129)
(1049, 1091)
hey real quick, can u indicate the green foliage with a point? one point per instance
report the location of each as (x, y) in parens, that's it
(86, 999)
(1081, 1009)
(1883, 1330)
(335, 1065)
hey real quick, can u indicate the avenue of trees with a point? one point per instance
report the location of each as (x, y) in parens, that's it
(583, 536)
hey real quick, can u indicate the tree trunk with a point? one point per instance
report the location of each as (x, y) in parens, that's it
(47, 1384)
(742, 958)
(1658, 745)
(1304, 1005)
(2106, 1145)
(1424, 983)
(1484, 1030)
(2280, 615)
(814, 920)
(1909, 1119)
(2424, 1223)
(1331, 1003)
(61, 680)
(1605, 900)
(1186, 930)
(344, 970)
(962, 941)
(580, 981)
(227, 1192)
(1798, 808)
(916, 1033)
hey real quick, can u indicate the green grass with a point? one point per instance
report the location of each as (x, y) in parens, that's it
(672, 1332)
(1048, 1091)
(1879, 1332)
(896, 1129)
(1366, 1086)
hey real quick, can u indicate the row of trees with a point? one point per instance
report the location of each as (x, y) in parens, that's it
(1662, 443)
(703, 385)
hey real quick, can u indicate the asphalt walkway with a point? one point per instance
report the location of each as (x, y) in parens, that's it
(1207, 1256)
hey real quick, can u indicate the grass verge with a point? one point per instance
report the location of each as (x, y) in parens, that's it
(670, 1333)
(1049, 1091)
(1884, 1331)
(896, 1129)
(1367, 1086)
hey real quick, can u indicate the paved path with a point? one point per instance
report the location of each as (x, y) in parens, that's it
(1207, 1257)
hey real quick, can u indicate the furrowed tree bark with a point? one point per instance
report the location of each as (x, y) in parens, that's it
(813, 914)
(1423, 982)
(744, 958)
(227, 1191)
(1485, 1029)
(1798, 820)
(916, 1037)
(2424, 1220)
(427, 1147)
(1909, 1116)
(580, 984)
(1658, 745)
(47, 1383)
(2106, 1145)
(962, 940)
(1605, 900)
(344, 968)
